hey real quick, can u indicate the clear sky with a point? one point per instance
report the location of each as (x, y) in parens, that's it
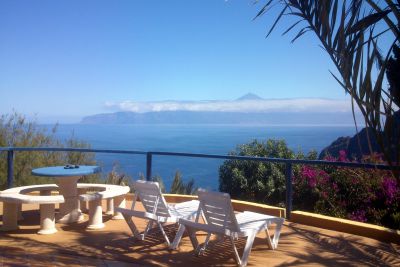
(62, 60)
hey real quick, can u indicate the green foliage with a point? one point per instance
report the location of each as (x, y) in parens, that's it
(178, 186)
(117, 178)
(395, 218)
(257, 181)
(16, 131)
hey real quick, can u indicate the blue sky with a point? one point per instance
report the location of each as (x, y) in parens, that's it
(62, 60)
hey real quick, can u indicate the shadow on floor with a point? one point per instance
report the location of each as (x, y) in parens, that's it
(299, 246)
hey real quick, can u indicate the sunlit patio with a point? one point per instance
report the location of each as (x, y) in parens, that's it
(120, 102)
(299, 245)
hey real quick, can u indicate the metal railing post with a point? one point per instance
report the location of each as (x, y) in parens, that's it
(289, 189)
(10, 168)
(148, 165)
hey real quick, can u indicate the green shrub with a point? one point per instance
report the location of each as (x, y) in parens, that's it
(257, 181)
(117, 177)
(16, 131)
(178, 186)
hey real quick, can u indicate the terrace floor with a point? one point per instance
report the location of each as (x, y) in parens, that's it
(113, 245)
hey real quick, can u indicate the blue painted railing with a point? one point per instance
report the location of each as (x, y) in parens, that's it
(149, 156)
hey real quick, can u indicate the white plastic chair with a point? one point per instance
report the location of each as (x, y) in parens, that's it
(222, 221)
(156, 209)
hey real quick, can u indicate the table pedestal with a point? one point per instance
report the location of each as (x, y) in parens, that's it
(69, 210)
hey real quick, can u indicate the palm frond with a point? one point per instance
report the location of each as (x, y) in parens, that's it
(348, 33)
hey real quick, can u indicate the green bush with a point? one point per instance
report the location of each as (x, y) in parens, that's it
(178, 186)
(117, 177)
(257, 181)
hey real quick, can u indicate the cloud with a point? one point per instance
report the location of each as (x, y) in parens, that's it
(259, 105)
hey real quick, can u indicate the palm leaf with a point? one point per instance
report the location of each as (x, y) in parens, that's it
(291, 27)
(368, 21)
(301, 32)
(277, 20)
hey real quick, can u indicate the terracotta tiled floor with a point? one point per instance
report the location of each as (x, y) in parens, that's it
(113, 245)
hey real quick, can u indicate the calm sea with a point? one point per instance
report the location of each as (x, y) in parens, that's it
(209, 139)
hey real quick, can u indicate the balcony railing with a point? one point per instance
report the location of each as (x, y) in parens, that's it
(149, 156)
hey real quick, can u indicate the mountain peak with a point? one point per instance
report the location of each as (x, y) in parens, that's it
(250, 96)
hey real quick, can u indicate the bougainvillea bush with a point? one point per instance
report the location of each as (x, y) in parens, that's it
(365, 195)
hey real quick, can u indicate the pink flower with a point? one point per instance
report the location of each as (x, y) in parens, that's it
(330, 158)
(343, 156)
(324, 177)
(335, 187)
(312, 181)
(390, 189)
(310, 175)
(358, 215)
(314, 177)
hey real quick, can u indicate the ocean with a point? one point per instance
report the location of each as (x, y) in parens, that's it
(207, 139)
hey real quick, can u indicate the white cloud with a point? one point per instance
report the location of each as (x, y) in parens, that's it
(267, 105)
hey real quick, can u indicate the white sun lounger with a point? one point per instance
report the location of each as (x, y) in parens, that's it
(156, 209)
(222, 221)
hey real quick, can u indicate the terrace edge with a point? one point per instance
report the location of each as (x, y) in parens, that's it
(307, 218)
(346, 226)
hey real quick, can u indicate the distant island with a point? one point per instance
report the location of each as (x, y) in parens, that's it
(249, 109)
(203, 117)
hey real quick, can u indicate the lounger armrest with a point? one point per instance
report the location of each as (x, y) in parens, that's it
(204, 227)
(137, 213)
(277, 220)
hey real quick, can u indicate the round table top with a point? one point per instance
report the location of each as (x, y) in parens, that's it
(60, 171)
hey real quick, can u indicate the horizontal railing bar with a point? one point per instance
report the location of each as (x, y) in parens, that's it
(214, 156)
(115, 151)
(278, 160)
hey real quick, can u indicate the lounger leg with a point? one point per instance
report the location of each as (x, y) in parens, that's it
(178, 237)
(10, 216)
(204, 246)
(277, 233)
(235, 252)
(247, 249)
(132, 226)
(110, 206)
(193, 239)
(163, 233)
(95, 215)
(47, 219)
(120, 203)
(269, 241)
(148, 227)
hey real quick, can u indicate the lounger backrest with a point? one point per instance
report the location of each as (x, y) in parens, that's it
(217, 209)
(150, 195)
